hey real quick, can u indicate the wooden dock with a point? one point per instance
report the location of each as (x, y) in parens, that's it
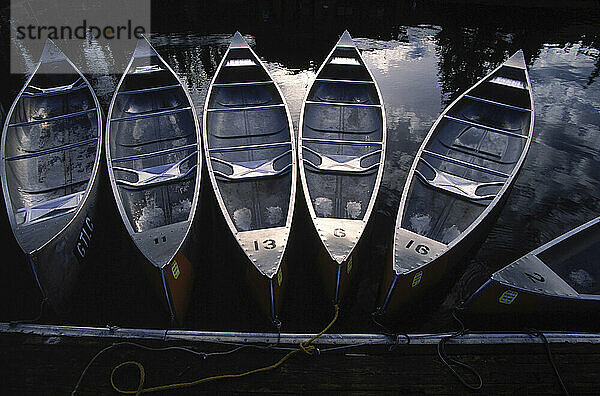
(44, 359)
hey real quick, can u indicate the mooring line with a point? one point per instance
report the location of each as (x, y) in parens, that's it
(452, 363)
(305, 347)
(551, 358)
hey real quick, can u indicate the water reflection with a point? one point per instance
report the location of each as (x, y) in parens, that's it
(422, 59)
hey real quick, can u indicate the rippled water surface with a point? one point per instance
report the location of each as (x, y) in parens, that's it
(421, 61)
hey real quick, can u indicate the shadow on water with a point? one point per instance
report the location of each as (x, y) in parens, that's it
(423, 55)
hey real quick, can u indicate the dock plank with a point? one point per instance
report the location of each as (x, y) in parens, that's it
(52, 365)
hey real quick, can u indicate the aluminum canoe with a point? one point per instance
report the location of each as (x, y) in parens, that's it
(154, 163)
(458, 182)
(342, 140)
(251, 160)
(558, 278)
(51, 149)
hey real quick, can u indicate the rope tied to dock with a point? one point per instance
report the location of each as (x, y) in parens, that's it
(551, 359)
(305, 347)
(394, 336)
(452, 364)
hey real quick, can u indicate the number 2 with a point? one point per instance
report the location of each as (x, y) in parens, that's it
(535, 277)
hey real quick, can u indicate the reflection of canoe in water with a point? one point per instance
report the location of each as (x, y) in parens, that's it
(562, 276)
(459, 180)
(154, 167)
(51, 147)
(341, 151)
(252, 165)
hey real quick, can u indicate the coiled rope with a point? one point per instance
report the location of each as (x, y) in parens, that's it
(305, 347)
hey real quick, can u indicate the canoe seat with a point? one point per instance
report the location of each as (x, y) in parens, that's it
(343, 60)
(51, 90)
(509, 82)
(341, 163)
(48, 209)
(455, 184)
(252, 169)
(156, 174)
(147, 69)
(240, 62)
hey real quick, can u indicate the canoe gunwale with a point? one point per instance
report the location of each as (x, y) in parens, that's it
(564, 236)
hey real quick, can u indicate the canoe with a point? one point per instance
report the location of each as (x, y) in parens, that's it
(341, 154)
(249, 144)
(51, 146)
(560, 277)
(458, 182)
(154, 164)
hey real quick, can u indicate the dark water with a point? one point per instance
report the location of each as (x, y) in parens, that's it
(422, 58)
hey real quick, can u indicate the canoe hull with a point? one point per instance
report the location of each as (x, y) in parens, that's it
(427, 283)
(342, 140)
(458, 183)
(559, 282)
(268, 292)
(338, 280)
(154, 163)
(51, 150)
(173, 284)
(251, 161)
(59, 265)
(497, 304)
(399, 293)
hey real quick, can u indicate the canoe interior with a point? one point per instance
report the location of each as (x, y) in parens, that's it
(342, 137)
(153, 146)
(249, 143)
(575, 260)
(469, 157)
(49, 164)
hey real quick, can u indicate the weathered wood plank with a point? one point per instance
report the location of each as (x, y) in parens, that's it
(43, 365)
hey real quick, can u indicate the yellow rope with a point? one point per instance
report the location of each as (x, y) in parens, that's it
(305, 347)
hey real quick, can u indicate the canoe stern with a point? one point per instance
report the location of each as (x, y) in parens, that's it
(415, 264)
(178, 278)
(268, 291)
(338, 278)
